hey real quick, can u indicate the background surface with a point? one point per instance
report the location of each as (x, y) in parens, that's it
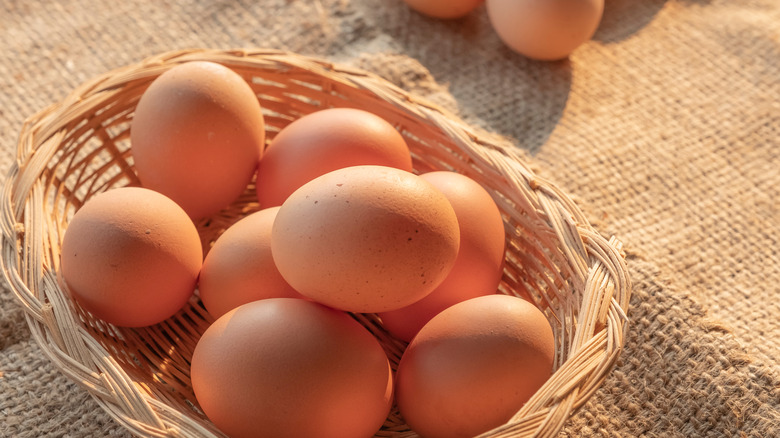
(665, 129)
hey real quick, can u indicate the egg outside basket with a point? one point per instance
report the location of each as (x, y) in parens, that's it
(80, 146)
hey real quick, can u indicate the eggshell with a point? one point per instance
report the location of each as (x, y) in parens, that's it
(286, 367)
(131, 256)
(365, 238)
(444, 9)
(479, 266)
(239, 267)
(323, 141)
(545, 29)
(473, 366)
(197, 135)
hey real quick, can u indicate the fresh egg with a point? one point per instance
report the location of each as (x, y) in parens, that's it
(479, 266)
(239, 267)
(473, 366)
(197, 135)
(365, 238)
(445, 9)
(323, 141)
(131, 256)
(287, 367)
(545, 29)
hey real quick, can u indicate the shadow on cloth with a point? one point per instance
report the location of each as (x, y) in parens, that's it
(495, 89)
(624, 18)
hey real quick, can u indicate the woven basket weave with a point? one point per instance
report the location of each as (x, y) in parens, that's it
(80, 146)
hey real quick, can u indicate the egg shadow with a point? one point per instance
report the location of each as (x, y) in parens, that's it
(624, 18)
(494, 88)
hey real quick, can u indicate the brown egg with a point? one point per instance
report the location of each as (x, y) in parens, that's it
(286, 367)
(365, 238)
(473, 366)
(545, 29)
(479, 266)
(131, 257)
(197, 135)
(445, 9)
(239, 267)
(324, 141)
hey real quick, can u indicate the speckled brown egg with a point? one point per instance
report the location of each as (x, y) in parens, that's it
(131, 256)
(365, 238)
(479, 266)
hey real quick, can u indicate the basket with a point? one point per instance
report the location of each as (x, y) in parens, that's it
(80, 146)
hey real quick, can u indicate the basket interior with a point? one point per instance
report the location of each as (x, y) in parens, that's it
(92, 154)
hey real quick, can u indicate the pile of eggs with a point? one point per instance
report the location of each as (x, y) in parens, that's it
(545, 30)
(345, 226)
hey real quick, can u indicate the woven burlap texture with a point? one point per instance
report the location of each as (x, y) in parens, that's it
(665, 129)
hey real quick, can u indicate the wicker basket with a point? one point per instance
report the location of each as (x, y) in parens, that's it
(80, 146)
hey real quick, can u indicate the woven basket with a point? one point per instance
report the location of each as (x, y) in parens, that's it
(80, 146)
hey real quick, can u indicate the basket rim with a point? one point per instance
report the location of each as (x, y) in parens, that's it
(607, 285)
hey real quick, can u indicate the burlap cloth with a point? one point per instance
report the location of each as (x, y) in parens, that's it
(665, 129)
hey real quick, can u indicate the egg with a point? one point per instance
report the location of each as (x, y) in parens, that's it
(239, 267)
(323, 141)
(445, 9)
(197, 135)
(365, 238)
(545, 29)
(479, 265)
(131, 256)
(286, 367)
(473, 366)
